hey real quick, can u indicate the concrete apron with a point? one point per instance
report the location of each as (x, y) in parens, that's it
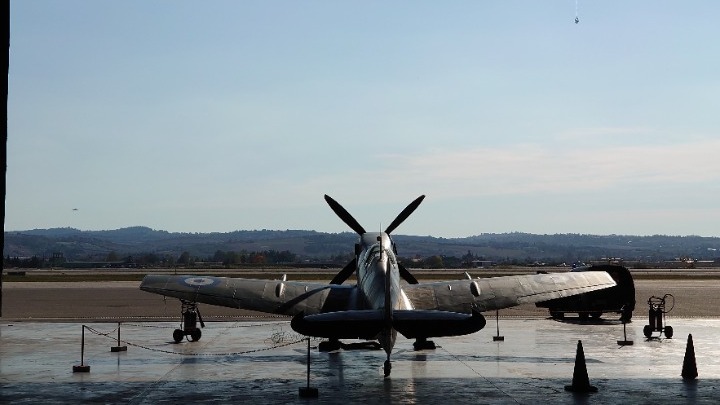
(259, 361)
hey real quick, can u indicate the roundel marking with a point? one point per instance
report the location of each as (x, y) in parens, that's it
(198, 281)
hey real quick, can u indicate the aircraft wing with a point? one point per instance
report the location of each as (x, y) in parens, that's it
(271, 296)
(502, 292)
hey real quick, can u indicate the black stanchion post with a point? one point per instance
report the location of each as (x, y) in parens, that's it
(625, 341)
(498, 338)
(118, 348)
(308, 391)
(82, 368)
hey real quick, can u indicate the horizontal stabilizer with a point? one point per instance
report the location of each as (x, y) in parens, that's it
(358, 324)
(367, 324)
(428, 323)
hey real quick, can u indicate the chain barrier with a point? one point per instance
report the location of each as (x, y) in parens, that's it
(243, 325)
(464, 363)
(279, 336)
(279, 339)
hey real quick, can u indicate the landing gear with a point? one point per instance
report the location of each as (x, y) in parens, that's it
(329, 345)
(188, 324)
(423, 344)
(387, 367)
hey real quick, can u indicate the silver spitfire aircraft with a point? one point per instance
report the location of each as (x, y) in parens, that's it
(379, 305)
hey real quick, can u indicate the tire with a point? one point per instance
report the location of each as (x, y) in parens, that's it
(178, 335)
(195, 335)
(669, 332)
(328, 346)
(583, 316)
(647, 331)
(557, 315)
(596, 315)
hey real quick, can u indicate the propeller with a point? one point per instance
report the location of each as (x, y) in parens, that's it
(406, 275)
(346, 272)
(404, 214)
(344, 215)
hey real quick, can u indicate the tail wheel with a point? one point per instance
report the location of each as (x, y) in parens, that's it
(387, 367)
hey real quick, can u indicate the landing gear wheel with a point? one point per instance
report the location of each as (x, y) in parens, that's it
(423, 344)
(669, 332)
(190, 315)
(387, 367)
(178, 335)
(329, 345)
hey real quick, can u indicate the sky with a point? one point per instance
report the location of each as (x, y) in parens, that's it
(216, 116)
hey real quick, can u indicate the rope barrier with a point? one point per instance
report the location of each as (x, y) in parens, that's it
(279, 339)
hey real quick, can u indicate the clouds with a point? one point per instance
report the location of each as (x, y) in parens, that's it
(528, 169)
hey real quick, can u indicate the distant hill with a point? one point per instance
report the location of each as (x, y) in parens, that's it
(77, 245)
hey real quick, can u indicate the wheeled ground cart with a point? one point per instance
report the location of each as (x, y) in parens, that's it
(658, 309)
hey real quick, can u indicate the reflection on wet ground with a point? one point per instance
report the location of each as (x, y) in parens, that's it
(265, 362)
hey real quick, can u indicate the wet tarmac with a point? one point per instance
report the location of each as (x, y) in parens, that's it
(265, 362)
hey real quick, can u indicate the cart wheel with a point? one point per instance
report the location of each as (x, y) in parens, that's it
(195, 335)
(669, 332)
(647, 331)
(178, 335)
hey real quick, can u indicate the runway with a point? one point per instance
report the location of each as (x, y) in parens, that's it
(265, 362)
(123, 301)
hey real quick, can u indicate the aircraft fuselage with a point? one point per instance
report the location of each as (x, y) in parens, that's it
(378, 280)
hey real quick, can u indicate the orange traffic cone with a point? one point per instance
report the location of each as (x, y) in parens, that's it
(689, 370)
(580, 381)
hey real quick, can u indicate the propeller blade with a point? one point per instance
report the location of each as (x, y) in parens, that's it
(406, 275)
(346, 272)
(404, 214)
(344, 215)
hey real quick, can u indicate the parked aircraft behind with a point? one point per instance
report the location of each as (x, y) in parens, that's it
(379, 305)
(619, 299)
